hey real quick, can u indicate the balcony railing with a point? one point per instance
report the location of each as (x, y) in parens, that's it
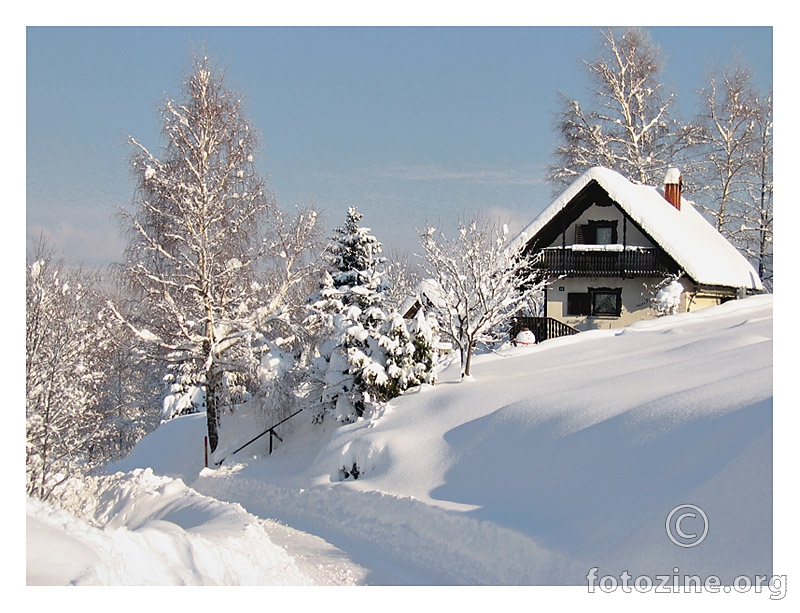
(543, 328)
(600, 262)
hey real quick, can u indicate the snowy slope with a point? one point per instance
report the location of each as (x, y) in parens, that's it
(558, 458)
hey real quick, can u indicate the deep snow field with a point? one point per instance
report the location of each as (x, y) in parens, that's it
(557, 458)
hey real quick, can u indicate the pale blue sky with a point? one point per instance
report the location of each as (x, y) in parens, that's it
(404, 123)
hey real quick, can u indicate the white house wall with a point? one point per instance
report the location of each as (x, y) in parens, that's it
(635, 300)
(635, 306)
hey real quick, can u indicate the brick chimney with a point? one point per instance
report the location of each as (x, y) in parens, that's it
(673, 185)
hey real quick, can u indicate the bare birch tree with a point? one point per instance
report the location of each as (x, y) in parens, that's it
(736, 164)
(201, 232)
(627, 125)
(728, 137)
(754, 235)
(403, 276)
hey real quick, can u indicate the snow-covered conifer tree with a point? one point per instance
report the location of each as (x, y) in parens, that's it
(410, 353)
(349, 298)
(355, 259)
(366, 355)
(424, 331)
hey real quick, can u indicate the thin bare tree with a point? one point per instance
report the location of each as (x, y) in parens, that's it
(478, 283)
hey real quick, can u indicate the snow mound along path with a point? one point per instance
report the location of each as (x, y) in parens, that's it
(140, 529)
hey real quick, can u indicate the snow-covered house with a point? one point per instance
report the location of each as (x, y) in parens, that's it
(426, 295)
(605, 239)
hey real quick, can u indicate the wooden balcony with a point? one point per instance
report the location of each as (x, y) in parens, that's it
(588, 262)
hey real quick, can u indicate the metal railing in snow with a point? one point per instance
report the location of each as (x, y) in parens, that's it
(270, 431)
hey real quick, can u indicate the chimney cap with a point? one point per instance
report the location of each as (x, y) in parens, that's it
(673, 177)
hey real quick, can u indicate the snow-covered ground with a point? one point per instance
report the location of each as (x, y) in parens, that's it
(557, 458)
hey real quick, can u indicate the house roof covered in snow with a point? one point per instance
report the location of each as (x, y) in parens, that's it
(685, 235)
(426, 293)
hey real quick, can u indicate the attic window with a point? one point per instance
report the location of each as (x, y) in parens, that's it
(596, 233)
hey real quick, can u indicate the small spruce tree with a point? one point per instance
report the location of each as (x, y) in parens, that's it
(366, 356)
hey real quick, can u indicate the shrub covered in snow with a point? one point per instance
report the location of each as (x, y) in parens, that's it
(393, 358)
(665, 297)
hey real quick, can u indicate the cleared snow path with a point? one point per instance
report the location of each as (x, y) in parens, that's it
(402, 540)
(315, 557)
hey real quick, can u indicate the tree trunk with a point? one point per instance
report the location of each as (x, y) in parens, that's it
(467, 361)
(213, 381)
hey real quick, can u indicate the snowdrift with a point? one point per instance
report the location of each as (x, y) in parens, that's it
(140, 529)
(557, 458)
